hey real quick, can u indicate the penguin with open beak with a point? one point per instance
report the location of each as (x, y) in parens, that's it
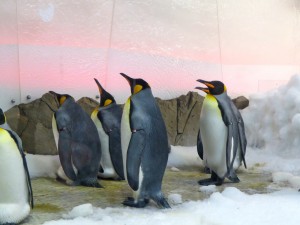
(221, 142)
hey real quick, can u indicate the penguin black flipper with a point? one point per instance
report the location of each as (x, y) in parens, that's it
(134, 157)
(65, 156)
(111, 119)
(230, 120)
(241, 132)
(18, 141)
(243, 141)
(199, 145)
(115, 152)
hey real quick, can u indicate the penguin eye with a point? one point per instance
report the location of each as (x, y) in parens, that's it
(137, 88)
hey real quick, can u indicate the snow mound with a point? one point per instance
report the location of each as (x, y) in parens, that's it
(80, 211)
(208, 189)
(175, 199)
(272, 119)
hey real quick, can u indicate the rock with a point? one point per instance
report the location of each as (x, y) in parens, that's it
(241, 102)
(88, 104)
(33, 121)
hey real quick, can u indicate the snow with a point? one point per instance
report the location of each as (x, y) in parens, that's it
(80, 211)
(272, 123)
(174, 199)
(231, 207)
(208, 189)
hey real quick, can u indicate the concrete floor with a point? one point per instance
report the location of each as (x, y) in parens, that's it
(52, 198)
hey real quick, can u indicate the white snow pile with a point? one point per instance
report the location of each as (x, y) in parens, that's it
(231, 207)
(175, 199)
(287, 179)
(272, 123)
(208, 189)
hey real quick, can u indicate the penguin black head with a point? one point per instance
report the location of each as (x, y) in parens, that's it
(61, 98)
(214, 87)
(106, 98)
(136, 85)
(2, 117)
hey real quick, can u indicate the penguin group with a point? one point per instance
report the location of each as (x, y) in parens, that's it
(129, 143)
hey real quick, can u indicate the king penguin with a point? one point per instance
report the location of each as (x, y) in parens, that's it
(78, 143)
(144, 145)
(221, 140)
(15, 186)
(107, 118)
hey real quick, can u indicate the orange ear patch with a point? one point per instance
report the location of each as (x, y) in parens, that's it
(137, 88)
(62, 100)
(107, 102)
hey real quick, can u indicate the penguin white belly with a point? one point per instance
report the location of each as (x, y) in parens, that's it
(14, 206)
(214, 137)
(125, 134)
(55, 131)
(109, 171)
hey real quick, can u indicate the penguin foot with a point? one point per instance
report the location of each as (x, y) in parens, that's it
(88, 183)
(214, 180)
(209, 181)
(162, 203)
(141, 203)
(234, 179)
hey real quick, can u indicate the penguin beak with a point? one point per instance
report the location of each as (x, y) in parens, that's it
(206, 90)
(129, 79)
(207, 83)
(99, 86)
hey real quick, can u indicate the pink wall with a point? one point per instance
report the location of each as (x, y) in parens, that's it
(61, 45)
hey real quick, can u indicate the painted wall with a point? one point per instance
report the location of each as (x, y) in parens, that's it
(62, 45)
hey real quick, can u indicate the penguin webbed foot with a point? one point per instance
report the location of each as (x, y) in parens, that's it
(162, 203)
(88, 183)
(214, 180)
(141, 203)
(234, 178)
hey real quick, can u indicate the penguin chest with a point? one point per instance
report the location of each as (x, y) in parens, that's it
(213, 136)
(125, 134)
(109, 171)
(13, 183)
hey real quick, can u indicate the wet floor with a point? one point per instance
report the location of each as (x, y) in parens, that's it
(53, 199)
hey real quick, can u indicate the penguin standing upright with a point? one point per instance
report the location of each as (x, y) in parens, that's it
(107, 118)
(144, 145)
(221, 140)
(79, 145)
(15, 187)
